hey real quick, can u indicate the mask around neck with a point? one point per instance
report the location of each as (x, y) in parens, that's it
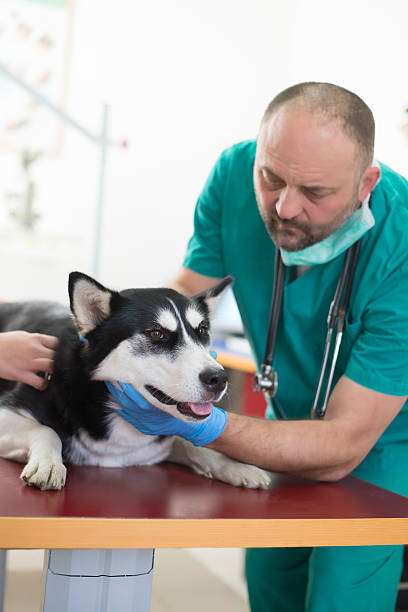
(360, 222)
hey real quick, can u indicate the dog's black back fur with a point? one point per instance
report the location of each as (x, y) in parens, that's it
(71, 401)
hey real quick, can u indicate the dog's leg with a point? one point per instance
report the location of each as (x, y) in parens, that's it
(210, 463)
(23, 439)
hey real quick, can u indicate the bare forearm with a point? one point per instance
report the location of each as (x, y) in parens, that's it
(188, 282)
(177, 286)
(313, 449)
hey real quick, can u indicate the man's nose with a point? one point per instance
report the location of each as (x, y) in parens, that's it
(288, 205)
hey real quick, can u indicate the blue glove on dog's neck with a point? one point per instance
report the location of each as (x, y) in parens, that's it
(148, 419)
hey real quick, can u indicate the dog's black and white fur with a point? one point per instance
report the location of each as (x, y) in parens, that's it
(156, 339)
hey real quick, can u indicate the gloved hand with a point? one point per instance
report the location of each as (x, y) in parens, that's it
(152, 421)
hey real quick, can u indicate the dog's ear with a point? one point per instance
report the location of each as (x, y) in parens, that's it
(89, 300)
(213, 296)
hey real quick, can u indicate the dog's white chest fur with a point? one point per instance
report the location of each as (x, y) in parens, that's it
(125, 446)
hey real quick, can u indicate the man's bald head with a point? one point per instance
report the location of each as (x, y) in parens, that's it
(333, 104)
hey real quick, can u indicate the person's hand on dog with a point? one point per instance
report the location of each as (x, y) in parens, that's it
(148, 419)
(23, 355)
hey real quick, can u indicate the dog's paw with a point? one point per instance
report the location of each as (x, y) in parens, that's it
(242, 475)
(212, 464)
(44, 474)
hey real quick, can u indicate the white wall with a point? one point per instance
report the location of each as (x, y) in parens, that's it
(362, 46)
(185, 80)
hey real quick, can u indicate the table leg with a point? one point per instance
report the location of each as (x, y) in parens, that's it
(2, 576)
(97, 580)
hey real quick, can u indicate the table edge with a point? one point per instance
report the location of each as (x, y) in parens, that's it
(101, 533)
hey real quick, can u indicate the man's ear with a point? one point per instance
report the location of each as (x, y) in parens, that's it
(368, 181)
(213, 296)
(89, 300)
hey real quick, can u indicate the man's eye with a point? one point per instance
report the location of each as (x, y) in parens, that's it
(272, 181)
(313, 195)
(156, 334)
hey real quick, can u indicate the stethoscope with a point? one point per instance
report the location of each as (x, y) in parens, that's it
(267, 379)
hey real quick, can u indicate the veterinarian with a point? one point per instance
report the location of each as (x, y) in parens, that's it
(308, 186)
(23, 355)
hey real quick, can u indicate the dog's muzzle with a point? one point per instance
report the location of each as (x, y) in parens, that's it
(214, 383)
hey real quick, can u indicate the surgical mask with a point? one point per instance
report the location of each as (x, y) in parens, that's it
(327, 249)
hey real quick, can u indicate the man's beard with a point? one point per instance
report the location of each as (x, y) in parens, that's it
(283, 231)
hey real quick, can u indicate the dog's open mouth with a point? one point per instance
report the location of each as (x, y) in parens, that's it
(196, 410)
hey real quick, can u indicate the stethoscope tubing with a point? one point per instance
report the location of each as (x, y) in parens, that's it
(349, 267)
(277, 296)
(337, 315)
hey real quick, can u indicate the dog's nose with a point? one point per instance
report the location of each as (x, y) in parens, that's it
(214, 380)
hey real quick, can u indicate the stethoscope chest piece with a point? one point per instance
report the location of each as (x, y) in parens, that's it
(266, 380)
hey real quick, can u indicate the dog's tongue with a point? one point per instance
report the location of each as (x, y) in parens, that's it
(201, 409)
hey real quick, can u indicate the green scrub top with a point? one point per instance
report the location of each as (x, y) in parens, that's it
(230, 238)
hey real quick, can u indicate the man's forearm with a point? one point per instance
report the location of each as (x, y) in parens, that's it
(179, 287)
(313, 449)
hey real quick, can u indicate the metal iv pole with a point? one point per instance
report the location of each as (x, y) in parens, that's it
(100, 139)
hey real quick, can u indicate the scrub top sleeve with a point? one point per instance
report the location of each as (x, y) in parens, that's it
(379, 356)
(204, 251)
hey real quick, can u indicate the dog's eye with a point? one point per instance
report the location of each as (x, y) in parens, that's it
(202, 331)
(156, 334)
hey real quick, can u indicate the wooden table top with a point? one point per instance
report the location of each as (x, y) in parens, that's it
(166, 506)
(232, 358)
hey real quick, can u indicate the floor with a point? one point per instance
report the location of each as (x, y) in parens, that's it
(183, 581)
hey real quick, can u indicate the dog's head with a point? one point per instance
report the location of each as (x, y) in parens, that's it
(156, 339)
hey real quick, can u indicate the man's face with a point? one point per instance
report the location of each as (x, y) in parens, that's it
(305, 178)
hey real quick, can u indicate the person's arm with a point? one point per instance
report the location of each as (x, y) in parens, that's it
(203, 264)
(190, 283)
(23, 354)
(327, 449)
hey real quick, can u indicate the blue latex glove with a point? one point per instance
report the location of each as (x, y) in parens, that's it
(150, 420)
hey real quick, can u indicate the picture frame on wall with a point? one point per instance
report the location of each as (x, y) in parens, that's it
(35, 38)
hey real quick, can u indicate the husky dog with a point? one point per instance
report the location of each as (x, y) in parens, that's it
(156, 339)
